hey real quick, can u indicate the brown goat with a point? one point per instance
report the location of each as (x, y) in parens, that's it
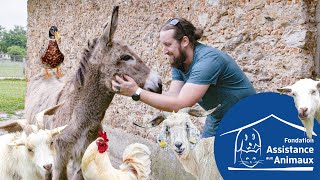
(86, 96)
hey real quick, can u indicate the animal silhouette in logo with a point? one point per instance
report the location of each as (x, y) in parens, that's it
(248, 147)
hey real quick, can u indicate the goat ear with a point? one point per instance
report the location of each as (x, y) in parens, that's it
(202, 113)
(286, 89)
(110, 28)
(50, 111)
(157, 120)
(162, 137)
(193, 133)
(154, 122)
(17, 142)
(184, 110)
(318, 85)
(14, 126)
(57, 130)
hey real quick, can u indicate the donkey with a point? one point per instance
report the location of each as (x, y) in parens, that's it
(86, 96)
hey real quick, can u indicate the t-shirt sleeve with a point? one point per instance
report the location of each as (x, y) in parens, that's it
(207, 70)
(176, 75)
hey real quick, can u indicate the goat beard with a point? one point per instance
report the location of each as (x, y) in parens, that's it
(184, 155)
(308, 125)
(179, 62)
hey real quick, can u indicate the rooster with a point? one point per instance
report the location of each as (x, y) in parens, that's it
(96, 163)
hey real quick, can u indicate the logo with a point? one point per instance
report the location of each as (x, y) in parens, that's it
(262, 137)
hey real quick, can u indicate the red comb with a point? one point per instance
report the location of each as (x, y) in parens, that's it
(103, 135)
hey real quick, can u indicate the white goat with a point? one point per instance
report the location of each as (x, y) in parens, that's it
(305, 93)
(195, 154)
(27, 155)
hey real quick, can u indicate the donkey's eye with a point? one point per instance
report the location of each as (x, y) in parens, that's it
(51, 143)
(313, 92)
(125, 57)
(30, 150)
(293, 94)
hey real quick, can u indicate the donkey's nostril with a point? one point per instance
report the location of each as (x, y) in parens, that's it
(47, 167)
(160, 87)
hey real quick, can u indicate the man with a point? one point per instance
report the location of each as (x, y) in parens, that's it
(200, 74)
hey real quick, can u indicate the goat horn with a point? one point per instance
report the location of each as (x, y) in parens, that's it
(57, 130)
(201, 113)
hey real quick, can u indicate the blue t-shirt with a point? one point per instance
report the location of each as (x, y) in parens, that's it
(228, 83)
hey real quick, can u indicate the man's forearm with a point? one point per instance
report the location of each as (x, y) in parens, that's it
(165, 101)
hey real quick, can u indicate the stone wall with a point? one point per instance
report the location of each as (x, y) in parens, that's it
(274, 42)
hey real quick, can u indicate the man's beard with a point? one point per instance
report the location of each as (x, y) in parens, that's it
(178, 62)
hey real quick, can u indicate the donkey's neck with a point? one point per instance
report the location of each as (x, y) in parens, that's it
(91, 100)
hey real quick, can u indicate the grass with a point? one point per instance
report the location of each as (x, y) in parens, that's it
(12, 95)
(11, 69)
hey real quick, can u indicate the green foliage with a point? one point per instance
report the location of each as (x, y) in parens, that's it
(12, 95)
(2, 31)
(16, 53)
(13, 37)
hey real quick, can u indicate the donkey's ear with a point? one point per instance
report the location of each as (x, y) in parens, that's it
(111, 27)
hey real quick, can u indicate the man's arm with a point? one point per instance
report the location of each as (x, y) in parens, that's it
(174, 89)
(189, 95)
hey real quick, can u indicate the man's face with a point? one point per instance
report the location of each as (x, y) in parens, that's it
(172, 48)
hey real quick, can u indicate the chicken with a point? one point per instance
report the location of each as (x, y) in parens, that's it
(96, 163)
(51, 56)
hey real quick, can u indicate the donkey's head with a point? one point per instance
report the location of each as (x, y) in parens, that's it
(116, 58)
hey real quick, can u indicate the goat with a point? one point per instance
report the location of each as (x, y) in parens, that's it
(27, 155)
(195, 154)
(305, 93)
(86, 96)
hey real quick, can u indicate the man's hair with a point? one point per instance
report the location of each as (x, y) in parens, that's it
(185, 28)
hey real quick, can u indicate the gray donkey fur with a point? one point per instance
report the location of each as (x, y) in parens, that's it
(86, 96)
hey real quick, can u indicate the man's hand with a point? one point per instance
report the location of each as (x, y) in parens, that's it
(126, 86)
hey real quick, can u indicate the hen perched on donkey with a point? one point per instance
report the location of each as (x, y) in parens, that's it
(86, 96)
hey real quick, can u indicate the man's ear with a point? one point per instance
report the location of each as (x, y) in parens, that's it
(185, 41)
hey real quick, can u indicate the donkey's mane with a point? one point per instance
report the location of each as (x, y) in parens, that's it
(86, 54)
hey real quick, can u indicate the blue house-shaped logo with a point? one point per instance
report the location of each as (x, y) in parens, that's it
(248, 149)
(266, 140)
